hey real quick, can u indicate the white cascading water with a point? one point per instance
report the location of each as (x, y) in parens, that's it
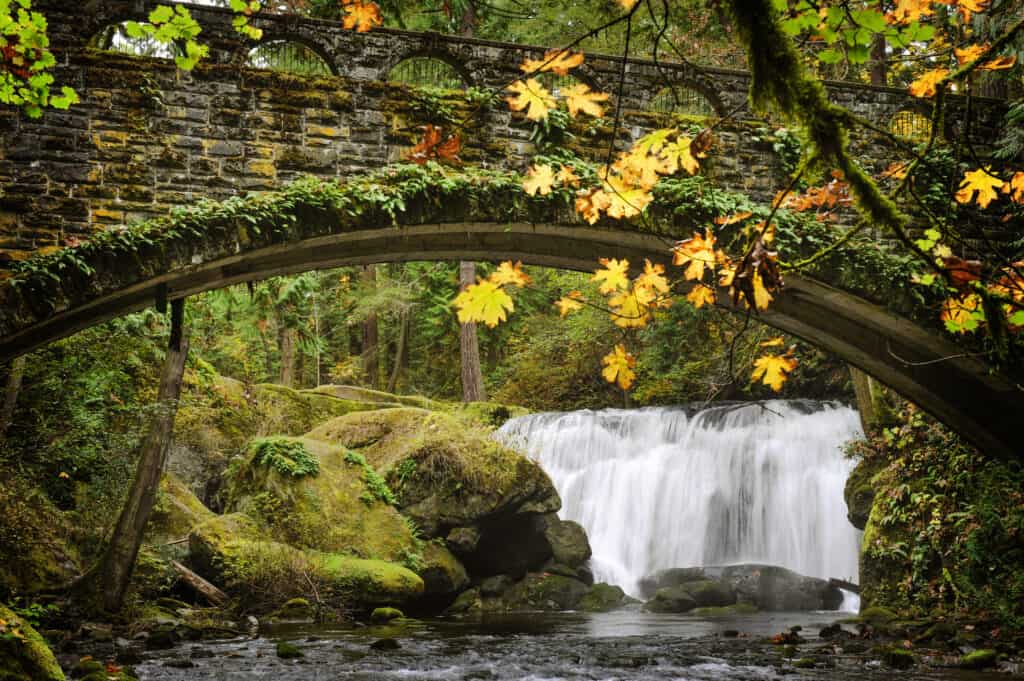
(659, 487)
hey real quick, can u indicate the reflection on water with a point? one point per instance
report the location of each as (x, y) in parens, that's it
(627, 645)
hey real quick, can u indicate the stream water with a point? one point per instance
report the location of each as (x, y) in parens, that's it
(627, 645)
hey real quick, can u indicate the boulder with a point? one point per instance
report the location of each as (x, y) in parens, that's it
(544, 591)
(568, 541)
(767, 587)
(671, 599)
(603, 598)
(176, 511)
(232, 551)
(441, 572)
(446, 472)
(24, 655)
(343, 507)
(859, 492)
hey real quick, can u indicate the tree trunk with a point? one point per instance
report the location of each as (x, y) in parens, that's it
(115, 568)
(472, 376)
(879, 65)
(862, 391)
(11, 394)
(468, 21)
(371, 336)
(288, 338)
(400, 351)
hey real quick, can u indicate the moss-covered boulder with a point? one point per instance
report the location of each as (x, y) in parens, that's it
(35, 552)
(340, 505)
(767, 587)
(442, 573)
(233, 552)
(671, 599)
(176, 512)
(544, 591)
(449, 475)
(603, 598)
(859, 492)
(24, 655)
(568, 541)
(363, 399)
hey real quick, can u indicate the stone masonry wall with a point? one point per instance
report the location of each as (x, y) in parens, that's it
(147, 137)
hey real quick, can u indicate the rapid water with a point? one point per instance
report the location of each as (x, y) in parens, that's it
(659, 488)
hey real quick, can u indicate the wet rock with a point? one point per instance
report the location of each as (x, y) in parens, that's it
(385, 644)
(463, 540)
(288, 651)
(179, 663)
(381, 615)
(97, 632)
(441, 572)
(568, 541)
(544, 591)
(896, 658)
(668, 578)
(671, 599)
(496, 585)
(602, 598)
(294, 609)
(467, 601)
(87, 666)
(979, 659)
(768, 587)
(710, 593)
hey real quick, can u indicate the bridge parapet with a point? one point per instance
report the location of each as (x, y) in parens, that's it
(148, 137)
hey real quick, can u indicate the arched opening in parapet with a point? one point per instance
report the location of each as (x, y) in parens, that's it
(116, 38)
(910, 125)
(684, 100)
(288, 56)
(427, 72)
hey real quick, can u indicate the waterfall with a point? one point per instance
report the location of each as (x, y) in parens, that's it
(661, 487)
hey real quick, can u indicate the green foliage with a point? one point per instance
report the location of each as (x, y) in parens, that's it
(944, 534)
(25, 78)
(286, 456)
(376, 486)
(172, 26)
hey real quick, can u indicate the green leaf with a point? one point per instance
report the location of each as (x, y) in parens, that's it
(161, 15)
(1017, 318)
(134, 29)
(830, 56)
(871, 19)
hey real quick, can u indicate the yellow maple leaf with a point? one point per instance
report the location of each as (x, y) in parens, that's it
(961, 315)
(628, 4)
(638, 168)
(927, 84)
(485, 302)
(556, 61)
(361, 15)
(776, 342)
(726, 275)
(1015, 187)
(533, 97)
(999, 63)
(540, 179)
(773, 370)
(696, 254)
(653, 278)
(509, 273)
(677, 155)
(653, 142)
(630, 309)
(701, 295)
(625, 200)
(580, 99)
(618, 367)
(982, 182)
(614, 275)
(762, 297)
(570, 302)
(567, 177)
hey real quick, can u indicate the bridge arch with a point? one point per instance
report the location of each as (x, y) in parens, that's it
(314, 225)
(290, 54)
(436, 53)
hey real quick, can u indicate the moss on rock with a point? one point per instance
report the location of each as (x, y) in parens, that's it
(24, 655)
(602, 598)
(335, 511)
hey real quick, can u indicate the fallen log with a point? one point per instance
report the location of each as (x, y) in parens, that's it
(843, 584)
(200, 585)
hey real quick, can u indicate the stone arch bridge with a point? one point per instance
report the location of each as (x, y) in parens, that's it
(148, 139)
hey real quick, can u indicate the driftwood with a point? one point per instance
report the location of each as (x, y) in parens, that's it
(843, 584)
(200, 585)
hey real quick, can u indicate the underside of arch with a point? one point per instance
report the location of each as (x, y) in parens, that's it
(929, 370)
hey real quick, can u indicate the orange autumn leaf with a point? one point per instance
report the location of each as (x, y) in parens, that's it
(532, 96)
(773, 370)
(726, 220)
(540, 179)
(979, 181)
(999, 63)
(625, 200)
(361, 15)
(618, 367)
(580, 99)
(970, 53)
(570, 302)
(434, 146)
(927, 84)
(907, 11)
(509, 273)
(556, 61)
(1015, 187)
(591, 204)
(696, 254)
(969, 7)
(897, 170)
(653, 278)
(962, 314)
(567, 178)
